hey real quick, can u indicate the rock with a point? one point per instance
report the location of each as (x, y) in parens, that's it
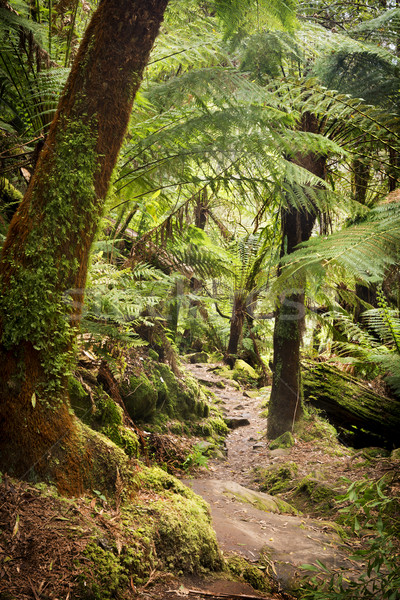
(238, 407)
(317, 492)
(275, 454)
(258, 446)
(205, 447)
(372, 452)
(285, 440)
(395, 455)
(235, 422)
(259, 500)
(197, 357)
(278, 477)
(243, 371)
(206, 382)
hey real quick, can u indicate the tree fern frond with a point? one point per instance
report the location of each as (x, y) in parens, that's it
(384, 321)
(364, 250)
(387, 20)
(248, 15)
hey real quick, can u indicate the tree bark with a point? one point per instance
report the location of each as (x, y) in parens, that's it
(45, 256)
(285, 406)
(236, 329)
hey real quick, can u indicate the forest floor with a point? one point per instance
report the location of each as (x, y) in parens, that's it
(41, 527)
(281, 541)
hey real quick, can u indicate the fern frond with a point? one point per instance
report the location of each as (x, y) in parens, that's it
(364, 250)
(249, 15)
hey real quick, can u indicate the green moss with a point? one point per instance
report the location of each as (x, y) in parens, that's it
(244, 373)
(46, 265)
(140, 396)
(354, 407)
(180, 524)
(197, 357)
(395, 455)
(10, 197)
(285, 440)
(186, 540)
(153, 354)
(277, 478)
(262, 501)
(103, 574)
(213, 427)
(249, 573)
(124, 438)
(158, 480)
(107, 411)
(317, 492)
(80, 400)
(371, 453)
(156, 393)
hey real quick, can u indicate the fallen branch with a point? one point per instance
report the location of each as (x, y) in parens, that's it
(222, 595)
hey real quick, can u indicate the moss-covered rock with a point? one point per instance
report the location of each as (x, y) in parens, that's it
(154, 391)
(285, 440)
(371, 453)
(80, 401)
(317, 492)
(107, 411)
(259, 500)
(123, 437)
(277, 478)
(249, 573)
(180, 523)
(103, 576)
(244, 373)
(395, 455)
(140, 396)
(197, 357)
(185, 524)
(214, 427)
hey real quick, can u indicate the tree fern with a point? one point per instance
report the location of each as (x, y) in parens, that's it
(364, 250)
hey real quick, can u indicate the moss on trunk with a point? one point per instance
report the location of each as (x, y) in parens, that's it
(45, 256)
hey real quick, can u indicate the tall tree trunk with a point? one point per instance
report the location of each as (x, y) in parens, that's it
(236, 329)
(45, 256)
(285, 406)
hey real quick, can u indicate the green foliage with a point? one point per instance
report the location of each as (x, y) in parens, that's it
(40, 276)
(367, 506)
(196, 458)
(246, 15)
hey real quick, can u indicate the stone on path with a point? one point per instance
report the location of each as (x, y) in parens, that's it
(288, 540)
(235, 422)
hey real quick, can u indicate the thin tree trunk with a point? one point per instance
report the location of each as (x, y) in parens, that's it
(45, 256)
(285, 406)
(236, 329)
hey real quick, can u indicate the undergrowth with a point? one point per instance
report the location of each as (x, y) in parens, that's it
(373, 515)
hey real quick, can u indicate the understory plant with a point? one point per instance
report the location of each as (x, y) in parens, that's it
(372, 513)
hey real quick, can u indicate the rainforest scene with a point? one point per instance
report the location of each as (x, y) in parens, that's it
(199, 299)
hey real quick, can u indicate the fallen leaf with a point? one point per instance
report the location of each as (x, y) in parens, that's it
(16, 527)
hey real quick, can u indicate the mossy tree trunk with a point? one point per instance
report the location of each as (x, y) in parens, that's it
(285, 406)
(45, 256)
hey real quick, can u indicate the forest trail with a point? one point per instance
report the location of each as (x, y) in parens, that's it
(286, 541)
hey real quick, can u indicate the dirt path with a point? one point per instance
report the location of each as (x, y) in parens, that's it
(245, 446)
(241, 526)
